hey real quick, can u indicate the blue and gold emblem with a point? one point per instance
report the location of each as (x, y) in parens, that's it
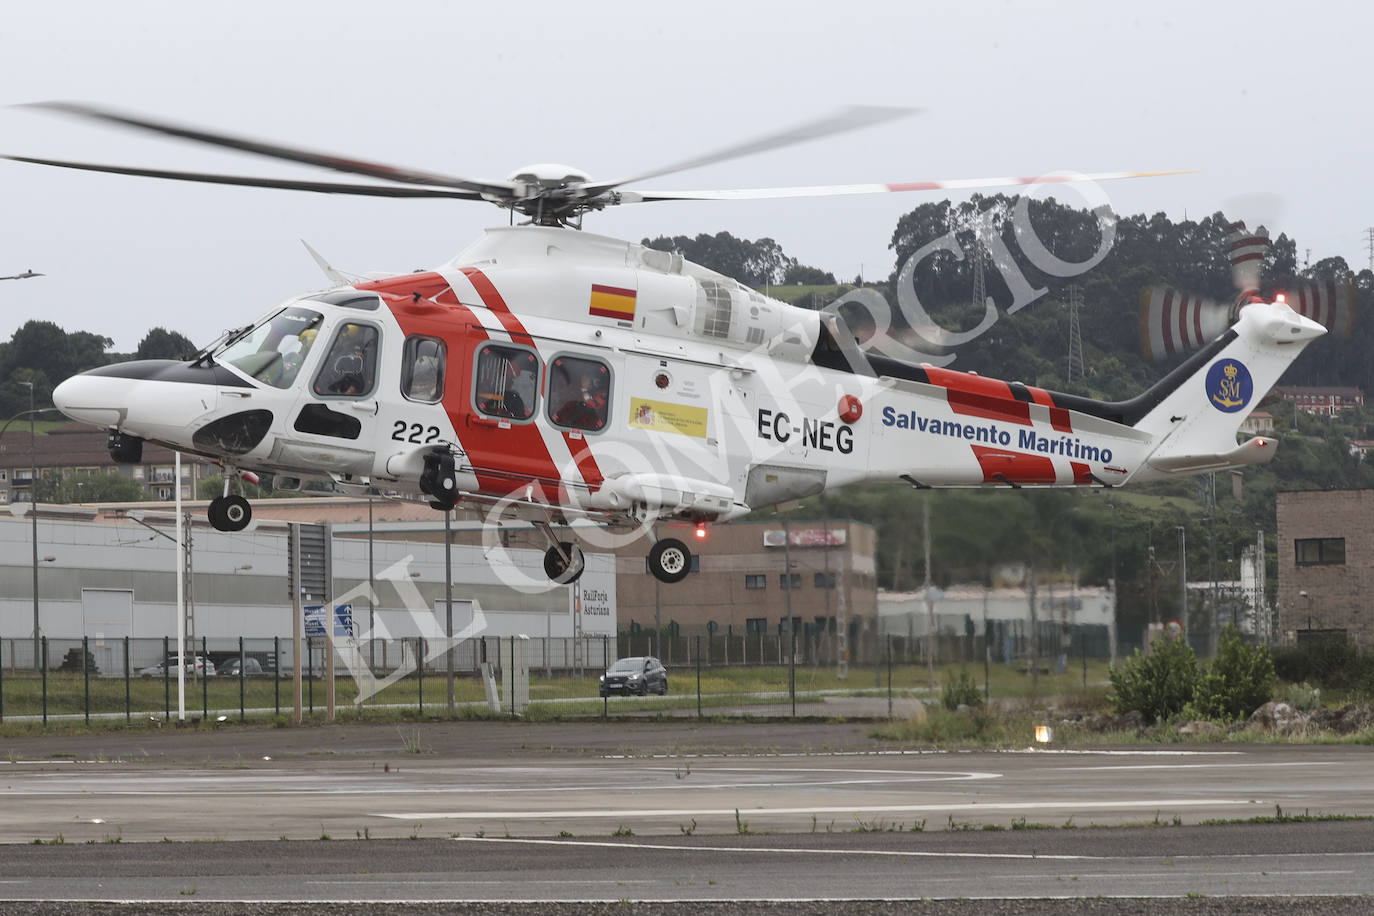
(1229, 386)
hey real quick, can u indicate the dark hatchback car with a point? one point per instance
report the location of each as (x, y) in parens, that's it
(639, 675)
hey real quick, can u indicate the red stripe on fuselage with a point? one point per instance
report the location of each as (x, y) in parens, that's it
(497, 306)
(1002, 466)
(581, 452)
(504, 459)
(428, 284)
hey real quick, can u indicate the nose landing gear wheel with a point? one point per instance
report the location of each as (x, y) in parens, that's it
(564, 572)
(670, 560)
(229, 513)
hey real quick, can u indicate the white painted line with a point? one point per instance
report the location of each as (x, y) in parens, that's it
(969, 807)
(883, 853)
(1229, 764)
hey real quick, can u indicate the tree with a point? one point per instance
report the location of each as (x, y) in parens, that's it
(1238, 681)
(109, 487)
(159, 343)
(753, 263)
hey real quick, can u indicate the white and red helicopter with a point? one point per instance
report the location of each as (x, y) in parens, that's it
(563, 377)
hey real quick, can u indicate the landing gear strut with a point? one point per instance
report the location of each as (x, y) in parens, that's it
(670, 560)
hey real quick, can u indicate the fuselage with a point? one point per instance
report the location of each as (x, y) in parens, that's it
(589, 374)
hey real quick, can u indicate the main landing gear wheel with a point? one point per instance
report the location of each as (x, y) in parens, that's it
(564, 572)
(230, 513)
(670, 560)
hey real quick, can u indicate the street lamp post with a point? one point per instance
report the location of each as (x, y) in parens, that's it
(33, 516)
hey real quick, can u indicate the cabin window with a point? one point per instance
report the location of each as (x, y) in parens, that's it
(579, 393)
(422, 370)
(507, 382)
(273, 351)
(350, 367)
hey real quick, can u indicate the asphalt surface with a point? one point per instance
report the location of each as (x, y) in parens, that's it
(692, 817)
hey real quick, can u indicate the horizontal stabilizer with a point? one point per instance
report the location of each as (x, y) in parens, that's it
(1256, 451)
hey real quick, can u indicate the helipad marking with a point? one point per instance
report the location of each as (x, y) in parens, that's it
(1204, 766)
(969, 807)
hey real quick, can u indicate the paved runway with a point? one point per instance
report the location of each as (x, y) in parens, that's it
(664, 810)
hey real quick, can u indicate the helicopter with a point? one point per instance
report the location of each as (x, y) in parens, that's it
(561, 377)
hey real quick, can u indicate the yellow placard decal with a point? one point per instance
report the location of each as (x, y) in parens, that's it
(663, 417)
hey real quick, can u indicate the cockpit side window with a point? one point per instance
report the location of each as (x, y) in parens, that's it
(422, 369)
(274, 351)
(349, 369)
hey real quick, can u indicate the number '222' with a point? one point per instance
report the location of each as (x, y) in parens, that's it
(412, 432)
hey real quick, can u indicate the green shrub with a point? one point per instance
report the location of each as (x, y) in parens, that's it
(1239, 680)
(1158, 685)
(960, 689)
(1332, 662)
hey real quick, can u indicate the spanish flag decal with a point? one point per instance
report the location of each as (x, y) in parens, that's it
(612, 302)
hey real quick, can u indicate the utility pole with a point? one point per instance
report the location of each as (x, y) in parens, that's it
(1075, 331)
(1183, 579)
(1369, 233)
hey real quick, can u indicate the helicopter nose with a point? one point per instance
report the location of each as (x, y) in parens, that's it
(93, 400)
(155, 399)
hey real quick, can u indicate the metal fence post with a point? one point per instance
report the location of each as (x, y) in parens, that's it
(699, 676)
(44, 662)
(86, 676)
(276, 675)
(128, 689)
(420, 671)
(889, 675)
(166, 681)
(2, 679)
(204, 681)
(242, 665)
(310, 669)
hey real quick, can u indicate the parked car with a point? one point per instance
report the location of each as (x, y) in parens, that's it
(251, 666)
(203, 666)
(639, 674)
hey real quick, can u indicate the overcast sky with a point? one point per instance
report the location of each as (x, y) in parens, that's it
(1260, 96)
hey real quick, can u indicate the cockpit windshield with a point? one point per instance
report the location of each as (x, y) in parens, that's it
(273, 351)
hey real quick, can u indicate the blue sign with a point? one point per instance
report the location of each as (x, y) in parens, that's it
(1229, 386)
(314, 621)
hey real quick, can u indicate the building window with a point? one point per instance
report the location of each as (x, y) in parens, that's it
(756, 581)
(783, 583)
(825, 580)
(1319, 551)
(756, 625)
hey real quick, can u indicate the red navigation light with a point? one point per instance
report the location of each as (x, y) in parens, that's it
(701, 532)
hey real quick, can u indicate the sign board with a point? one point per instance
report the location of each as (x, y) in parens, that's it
(343, 621)
(806, 537)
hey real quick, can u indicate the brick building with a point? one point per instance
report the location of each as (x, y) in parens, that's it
(74, 451)
(1326, 564)
(1327, 401)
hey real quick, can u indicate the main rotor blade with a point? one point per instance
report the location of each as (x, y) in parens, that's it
(846, 119)
(838, 190)
(250, 181)
(276, 151)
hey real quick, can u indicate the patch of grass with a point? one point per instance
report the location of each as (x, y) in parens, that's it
(741, 825)
(622, 831)
(1280, 817)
